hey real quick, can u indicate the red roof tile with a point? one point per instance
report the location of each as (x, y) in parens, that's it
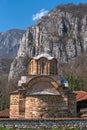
(81, 95)
(4, 113)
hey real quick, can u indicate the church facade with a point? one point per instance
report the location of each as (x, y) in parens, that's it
(40, 94)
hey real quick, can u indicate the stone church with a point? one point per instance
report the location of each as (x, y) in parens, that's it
(40, 94)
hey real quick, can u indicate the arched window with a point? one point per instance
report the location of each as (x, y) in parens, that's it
(53, 68)
(22, 107)
(43, 67)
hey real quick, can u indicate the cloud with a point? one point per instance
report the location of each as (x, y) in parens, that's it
(38, 15)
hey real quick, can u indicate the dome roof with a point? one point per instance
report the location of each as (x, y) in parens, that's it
(43, 55)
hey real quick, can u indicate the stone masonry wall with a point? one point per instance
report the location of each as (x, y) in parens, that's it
(72, 105)
(14, 106)
(46, 106)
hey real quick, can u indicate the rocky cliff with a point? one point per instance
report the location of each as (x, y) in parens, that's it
(9, 43)
(62, 34)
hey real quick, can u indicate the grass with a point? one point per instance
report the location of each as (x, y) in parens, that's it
(2, 128)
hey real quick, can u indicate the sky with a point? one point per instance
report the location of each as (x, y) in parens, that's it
(20, 14)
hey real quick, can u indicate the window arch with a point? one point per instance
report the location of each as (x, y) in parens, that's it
(43, 67)
(53, 68)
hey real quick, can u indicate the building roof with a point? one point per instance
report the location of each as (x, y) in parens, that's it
(43, 92)
(81, 95)
(43, 55)
(15, 92)
(4, 113)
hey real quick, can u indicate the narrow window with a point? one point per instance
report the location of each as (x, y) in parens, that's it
(52, 68)
(22, 107)
(42, 67)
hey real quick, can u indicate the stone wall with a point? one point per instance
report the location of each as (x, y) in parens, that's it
(14, 106)
(43, 106)
(72, 105)
(46, 106)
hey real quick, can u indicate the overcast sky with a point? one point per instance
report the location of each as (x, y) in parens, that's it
(24, 13)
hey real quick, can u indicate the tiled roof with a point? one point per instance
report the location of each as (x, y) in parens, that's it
(81, 95)
(4, 113)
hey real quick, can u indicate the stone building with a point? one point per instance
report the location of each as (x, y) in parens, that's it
(40, 94)
(81, 98)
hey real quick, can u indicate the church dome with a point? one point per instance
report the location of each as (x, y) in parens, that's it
(43, 64)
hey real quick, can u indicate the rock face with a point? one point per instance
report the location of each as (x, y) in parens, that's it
(9, 43)
(62, 34)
